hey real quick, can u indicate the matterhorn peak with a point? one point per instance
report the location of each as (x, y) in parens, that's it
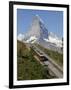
(37, 29)
(38, 18)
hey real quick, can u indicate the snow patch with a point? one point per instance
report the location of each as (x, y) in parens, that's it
(32, 39)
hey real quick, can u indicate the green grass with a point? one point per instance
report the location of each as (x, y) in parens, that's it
(57, 57)
(28, 68)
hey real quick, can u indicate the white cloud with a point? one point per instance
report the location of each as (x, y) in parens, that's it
(20, 37)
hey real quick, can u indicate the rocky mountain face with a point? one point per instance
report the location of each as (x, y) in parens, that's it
(36, 31)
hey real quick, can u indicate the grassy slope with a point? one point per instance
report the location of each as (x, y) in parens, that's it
(27, 67)
(53, 54)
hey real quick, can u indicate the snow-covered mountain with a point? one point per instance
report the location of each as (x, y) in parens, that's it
(38, 33)
(52, 38)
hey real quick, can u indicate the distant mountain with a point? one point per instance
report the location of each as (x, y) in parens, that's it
(52, 38)
(39, 33)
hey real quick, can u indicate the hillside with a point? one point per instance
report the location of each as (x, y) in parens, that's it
(28, 68)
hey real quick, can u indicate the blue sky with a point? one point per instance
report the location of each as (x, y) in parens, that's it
(53, 20)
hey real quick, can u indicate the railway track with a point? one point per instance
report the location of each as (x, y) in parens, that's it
(53, 67)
